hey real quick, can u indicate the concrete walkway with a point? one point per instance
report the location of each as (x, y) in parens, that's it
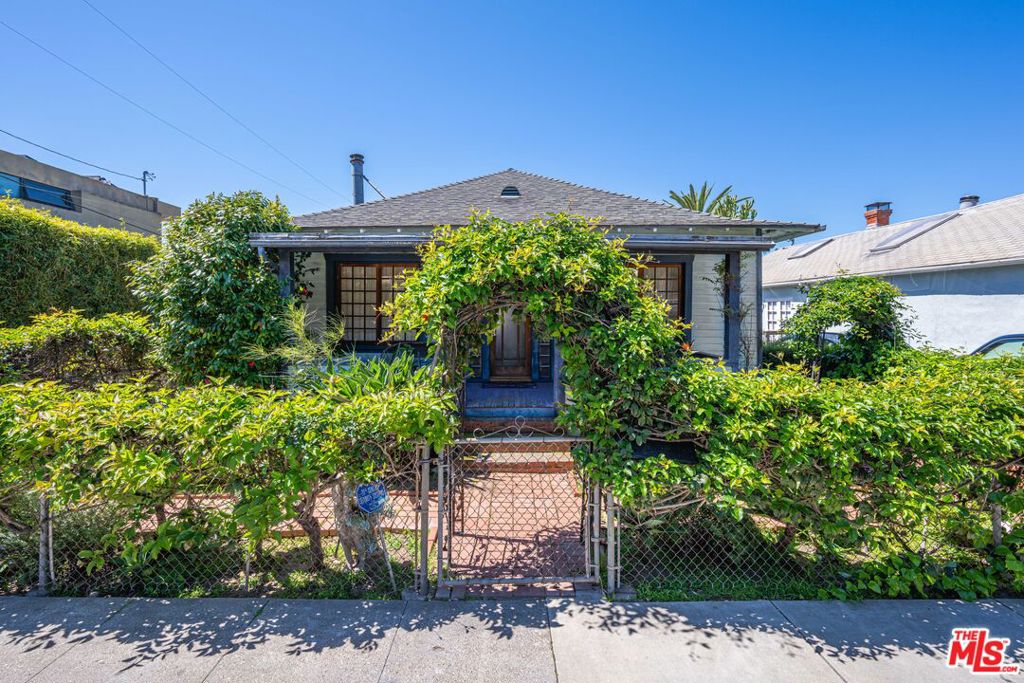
(98, 639)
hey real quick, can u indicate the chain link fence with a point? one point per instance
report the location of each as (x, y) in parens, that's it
(697, 552)
(332, 549)
(515, 510)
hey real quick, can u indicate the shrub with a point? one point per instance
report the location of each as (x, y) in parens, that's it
(69, 348)
(209, 294)
(139, 450)
(877, 321)
(778, 352)
(902, 470)
(49, 262)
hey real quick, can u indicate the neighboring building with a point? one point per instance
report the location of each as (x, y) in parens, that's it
(90, 200)
(962, 271)
(361, 251)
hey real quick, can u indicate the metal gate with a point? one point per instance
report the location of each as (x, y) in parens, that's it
(514, 509)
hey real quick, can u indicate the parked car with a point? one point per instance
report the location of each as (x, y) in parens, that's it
(1006, 345)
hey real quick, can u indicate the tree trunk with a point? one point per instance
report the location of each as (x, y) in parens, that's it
(311, 525)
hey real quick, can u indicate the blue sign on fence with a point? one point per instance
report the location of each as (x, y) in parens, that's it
(371, 497)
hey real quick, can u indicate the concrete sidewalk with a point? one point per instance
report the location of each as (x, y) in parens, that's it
(99, 639)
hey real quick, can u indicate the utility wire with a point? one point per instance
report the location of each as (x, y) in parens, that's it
(374, 187)
(209, 99)
(68, 156)
(158, 117)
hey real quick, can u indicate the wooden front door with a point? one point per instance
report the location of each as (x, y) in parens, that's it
(510, 350)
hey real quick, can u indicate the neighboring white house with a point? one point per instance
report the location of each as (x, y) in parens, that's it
(962, 271)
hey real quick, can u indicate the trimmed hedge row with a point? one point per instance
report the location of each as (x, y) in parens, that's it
(48, 262)
(76, 350)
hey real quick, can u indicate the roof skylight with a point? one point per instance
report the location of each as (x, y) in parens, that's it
(912, 231)
(807, 249)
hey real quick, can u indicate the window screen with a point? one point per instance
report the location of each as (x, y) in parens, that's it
(667, 279)
(362, 289)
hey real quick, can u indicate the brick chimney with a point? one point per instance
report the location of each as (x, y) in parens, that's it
(876, 214)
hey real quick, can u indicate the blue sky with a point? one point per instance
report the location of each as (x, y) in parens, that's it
(814, 108)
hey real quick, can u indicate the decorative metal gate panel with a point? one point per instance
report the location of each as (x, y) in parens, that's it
(515, 509)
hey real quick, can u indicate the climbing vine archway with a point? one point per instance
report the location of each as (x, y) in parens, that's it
(578, 287)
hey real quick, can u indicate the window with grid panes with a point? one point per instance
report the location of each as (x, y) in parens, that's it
(362, 289)
(667, 279)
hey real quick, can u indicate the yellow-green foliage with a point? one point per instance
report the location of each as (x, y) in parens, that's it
(136, 449)
(48, 262)
(68, 347)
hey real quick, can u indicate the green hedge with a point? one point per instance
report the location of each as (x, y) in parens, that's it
(48, 262)
(70, 348)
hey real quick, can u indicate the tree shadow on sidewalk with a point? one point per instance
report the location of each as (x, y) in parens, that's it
(875, 631)
(144, 631)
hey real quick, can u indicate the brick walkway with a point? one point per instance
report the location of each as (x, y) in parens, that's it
(518, 515)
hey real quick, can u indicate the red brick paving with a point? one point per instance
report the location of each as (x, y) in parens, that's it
(518, 515)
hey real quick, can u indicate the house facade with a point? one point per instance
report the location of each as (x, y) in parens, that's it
(961, 271)
(360, 252)
(90, 200)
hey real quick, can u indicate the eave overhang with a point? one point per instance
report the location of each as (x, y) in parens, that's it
(335, 242)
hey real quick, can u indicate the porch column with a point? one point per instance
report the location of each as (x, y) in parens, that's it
(732, 305)
(534, 359)
(485, 362)
(284, 271)
(759, 309)
(556, 373)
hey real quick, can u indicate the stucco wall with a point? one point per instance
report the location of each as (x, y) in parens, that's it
(965, 321)
(954, 309)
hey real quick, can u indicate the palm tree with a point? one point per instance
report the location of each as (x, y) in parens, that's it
(723, 204)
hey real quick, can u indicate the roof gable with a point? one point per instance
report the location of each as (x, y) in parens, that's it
(517, 196)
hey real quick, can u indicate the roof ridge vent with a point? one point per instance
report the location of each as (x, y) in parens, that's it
(510, 191)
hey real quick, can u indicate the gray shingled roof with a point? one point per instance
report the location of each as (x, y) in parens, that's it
(985, 235)
(539, 195)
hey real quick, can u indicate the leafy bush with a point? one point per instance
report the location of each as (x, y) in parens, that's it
(902, 470)
(73, 349)
(272, 453)
(210, 295)
(778, 352)
(52, 263)
(877, 320)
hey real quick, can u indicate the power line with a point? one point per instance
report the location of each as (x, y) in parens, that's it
(68, 156)
(209, 99)
(158, 117)
(374, 186)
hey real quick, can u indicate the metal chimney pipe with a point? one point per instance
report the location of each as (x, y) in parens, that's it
(357, 178)
(969, 200)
